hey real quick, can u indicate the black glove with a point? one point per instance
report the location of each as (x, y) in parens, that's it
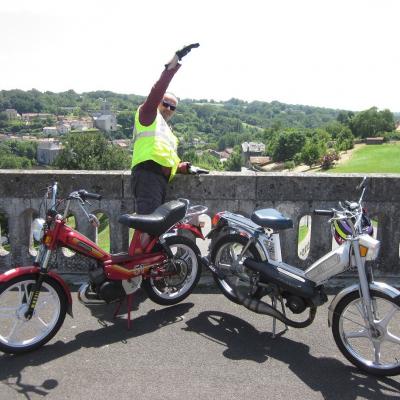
(182, 53)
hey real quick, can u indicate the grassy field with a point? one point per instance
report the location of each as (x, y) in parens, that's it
(383, 158)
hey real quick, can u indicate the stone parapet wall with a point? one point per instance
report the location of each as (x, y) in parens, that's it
(295, 195)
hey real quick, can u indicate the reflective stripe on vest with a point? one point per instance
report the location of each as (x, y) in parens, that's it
(160, 135)
(155, 142)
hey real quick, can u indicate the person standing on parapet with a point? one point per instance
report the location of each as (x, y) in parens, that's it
(155, 160)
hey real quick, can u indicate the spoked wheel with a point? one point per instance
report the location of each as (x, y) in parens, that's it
(19, 334)
(375, 350)
(183, 273)
(232, 274)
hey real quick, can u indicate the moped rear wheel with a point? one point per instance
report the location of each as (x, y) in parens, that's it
(183, 273)
(232, 274)
(375, 351)
(19, 334)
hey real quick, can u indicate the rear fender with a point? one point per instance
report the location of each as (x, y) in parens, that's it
(19, 271)
(378, 286)
(217, 232)
(235, 230)
(192, 228)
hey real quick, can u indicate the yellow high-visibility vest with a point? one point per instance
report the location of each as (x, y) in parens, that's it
(155, 142)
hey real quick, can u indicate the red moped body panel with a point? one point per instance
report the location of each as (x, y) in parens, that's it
(192, 228)
(19, 271)
(122, 267)
(74, 240)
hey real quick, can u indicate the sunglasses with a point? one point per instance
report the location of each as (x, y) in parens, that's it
(170, 106)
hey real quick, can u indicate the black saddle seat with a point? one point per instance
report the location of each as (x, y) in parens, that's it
(271, 218)
(163, 218)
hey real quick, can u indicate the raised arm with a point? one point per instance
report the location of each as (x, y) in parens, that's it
(148, 111)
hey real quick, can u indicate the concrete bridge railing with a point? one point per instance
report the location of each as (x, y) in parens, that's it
(295, 195)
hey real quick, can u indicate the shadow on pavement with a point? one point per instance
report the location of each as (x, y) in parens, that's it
(12, 365)
(333, 379)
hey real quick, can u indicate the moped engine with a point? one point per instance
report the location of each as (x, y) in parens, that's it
(100, 289)
(296, 304)
(111, 291)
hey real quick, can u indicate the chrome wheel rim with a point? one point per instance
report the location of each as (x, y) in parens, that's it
(377, 346)
(228, 263)
(15, 330)
(187, 266)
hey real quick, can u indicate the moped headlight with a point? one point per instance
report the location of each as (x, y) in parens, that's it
(37, 229)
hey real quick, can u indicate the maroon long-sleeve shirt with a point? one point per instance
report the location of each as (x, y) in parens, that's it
(148, 110)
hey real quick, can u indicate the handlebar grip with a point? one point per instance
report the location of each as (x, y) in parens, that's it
(86, 195)
(202, 171)
(197, 170)
(329, 213)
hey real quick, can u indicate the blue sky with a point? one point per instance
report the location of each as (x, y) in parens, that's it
(331, 53)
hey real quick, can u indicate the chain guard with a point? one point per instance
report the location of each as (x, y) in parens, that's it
(130, 286)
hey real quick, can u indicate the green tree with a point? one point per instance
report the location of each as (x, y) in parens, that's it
(344, 117)
(334, 128)
(234, 162)
(91, 151)
(14, 162)
(344, 140)
(312, 152)
(371, 122)
(286, 144)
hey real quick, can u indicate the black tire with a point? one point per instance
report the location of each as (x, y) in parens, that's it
(226, 284)
(345, 344)
(173, 289)
(11, 296)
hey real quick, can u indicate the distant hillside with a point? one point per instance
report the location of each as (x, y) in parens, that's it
(257, 113)
(202, 120)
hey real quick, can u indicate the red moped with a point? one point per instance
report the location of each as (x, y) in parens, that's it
(34, 300)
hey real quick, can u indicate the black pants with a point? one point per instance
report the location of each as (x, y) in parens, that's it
(149, 189)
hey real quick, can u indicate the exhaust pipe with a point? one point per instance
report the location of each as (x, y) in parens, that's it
(261, 307)
(88, 298)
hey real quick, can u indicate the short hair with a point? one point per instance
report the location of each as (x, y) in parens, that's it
(173, 95)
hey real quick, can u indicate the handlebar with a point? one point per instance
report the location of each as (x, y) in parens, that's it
(84, 194)
(329, 213)
(363, 184)
(197, 170)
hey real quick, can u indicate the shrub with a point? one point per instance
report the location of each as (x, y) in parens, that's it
(289, 164)
(329, 159)
(395, 135)
(297, 158)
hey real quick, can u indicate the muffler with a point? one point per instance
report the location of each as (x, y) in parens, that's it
(287, 280)
(261, 307)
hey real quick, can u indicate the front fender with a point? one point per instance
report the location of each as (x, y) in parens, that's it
(19, 271)
(378, 286)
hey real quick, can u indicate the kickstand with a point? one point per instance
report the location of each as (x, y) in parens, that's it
(129, 298)
(274, 318)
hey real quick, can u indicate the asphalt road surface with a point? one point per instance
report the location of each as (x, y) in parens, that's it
(203, 348)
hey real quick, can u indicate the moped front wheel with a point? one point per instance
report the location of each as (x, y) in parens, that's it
(182, 273)
(19, 334)
(374, 349)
